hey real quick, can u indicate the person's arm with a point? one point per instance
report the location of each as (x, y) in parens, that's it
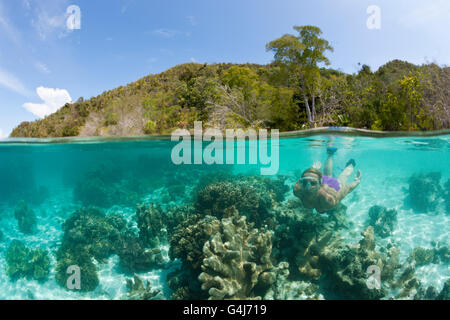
(345, 190)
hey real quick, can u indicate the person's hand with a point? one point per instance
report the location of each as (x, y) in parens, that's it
(317, 165)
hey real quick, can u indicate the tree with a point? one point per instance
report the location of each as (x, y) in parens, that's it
(302, 55)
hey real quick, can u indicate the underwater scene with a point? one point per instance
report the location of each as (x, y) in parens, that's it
(101, 219)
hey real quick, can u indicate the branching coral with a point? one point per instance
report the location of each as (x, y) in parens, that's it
(189, 238)
(151, 223)
(425, 191)
(26, 218)
(308, 259)
(347, 268)
(137, 290)
(285, 289)
(235, 259)
(134, 257)
(438, 254)
(296, 231)
(23, 262)
(186, 243)
(382, 220)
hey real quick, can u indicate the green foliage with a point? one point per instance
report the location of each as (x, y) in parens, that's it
(111, 119)
(22, 262)
(301, 56)
(150, 127)
(293, 92)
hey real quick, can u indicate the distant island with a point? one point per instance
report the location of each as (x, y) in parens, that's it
(291, 93)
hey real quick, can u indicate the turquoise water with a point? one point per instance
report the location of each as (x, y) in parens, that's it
(54, 180)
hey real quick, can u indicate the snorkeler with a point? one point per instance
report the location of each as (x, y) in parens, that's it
(324, 192)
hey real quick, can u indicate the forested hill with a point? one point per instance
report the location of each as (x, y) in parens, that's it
(398, 96)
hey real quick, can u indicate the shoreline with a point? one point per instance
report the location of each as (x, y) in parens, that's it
(340, 131)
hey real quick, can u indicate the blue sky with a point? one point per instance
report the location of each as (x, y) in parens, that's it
(43, 63)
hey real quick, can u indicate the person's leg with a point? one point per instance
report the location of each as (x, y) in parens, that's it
(328, 169)
(343, 177)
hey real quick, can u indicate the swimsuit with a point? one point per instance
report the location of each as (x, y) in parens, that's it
(331, 182)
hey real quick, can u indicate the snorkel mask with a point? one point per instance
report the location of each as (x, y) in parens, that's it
(310, 182)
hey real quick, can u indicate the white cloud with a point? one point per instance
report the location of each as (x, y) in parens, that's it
(42, 67)
(51, 18)
(166, 33)
(2, 136)
(10, 82)
(53, 100)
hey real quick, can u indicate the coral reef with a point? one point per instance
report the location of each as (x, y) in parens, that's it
(22, 262)
(151, 223)
(438, 254)
(91, 234)
(295, 230)
(431, 293)
(407, 282)
(88, 271)
(138, 290)
(286, 289)
(346, 268)
(236, 260)
(185, 284)
(338, 215)
(26, 218)
(186, 243)
(382, 220)
(308, 259)
(134, 257)
(253, 197)
(90, 230)
(189, 238)
(445, 293)
(425, 191)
